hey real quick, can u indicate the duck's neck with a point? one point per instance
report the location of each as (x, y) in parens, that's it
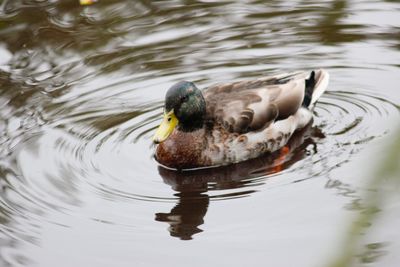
(192, 115)
(192, 125)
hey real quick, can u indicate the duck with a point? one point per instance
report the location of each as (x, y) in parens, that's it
(235, 121)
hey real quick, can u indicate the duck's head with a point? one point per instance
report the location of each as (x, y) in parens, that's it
(184, 108)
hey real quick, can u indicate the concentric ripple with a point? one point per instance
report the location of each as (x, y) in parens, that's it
(117, 162)
(89, 160)
(98, 158)
(100, 155)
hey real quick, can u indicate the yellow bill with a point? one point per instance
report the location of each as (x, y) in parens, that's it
(166, 127)
(87, 2)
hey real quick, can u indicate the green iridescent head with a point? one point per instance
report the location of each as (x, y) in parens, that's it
(185, 108)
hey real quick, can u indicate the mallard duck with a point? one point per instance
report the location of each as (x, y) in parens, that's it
(232, 122)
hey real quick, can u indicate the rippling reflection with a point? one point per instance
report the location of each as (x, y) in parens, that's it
(81, 92)
(186, 216)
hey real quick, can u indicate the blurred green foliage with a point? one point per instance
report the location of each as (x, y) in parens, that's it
(387, 173)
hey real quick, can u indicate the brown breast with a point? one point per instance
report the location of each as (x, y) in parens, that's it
(182, 150)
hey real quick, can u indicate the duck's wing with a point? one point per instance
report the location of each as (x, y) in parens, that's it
(252, 105)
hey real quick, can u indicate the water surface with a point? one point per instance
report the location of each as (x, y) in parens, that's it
(81, 92)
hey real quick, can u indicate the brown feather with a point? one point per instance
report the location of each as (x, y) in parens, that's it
(253, 105)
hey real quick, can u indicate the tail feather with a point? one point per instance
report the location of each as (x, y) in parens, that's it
(310, 84)
(316, 85)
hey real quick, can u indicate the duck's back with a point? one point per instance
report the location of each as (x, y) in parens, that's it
(252, 105)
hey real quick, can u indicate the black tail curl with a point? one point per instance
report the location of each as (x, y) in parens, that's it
(310, 85)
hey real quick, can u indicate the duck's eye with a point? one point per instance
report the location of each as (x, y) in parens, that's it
(184, 98)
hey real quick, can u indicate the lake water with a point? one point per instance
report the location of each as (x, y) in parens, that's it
(81, 92)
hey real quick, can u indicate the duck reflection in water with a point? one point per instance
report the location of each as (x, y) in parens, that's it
(187, 215)
(192, 186)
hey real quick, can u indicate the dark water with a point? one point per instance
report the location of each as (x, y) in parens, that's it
(81, 91)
